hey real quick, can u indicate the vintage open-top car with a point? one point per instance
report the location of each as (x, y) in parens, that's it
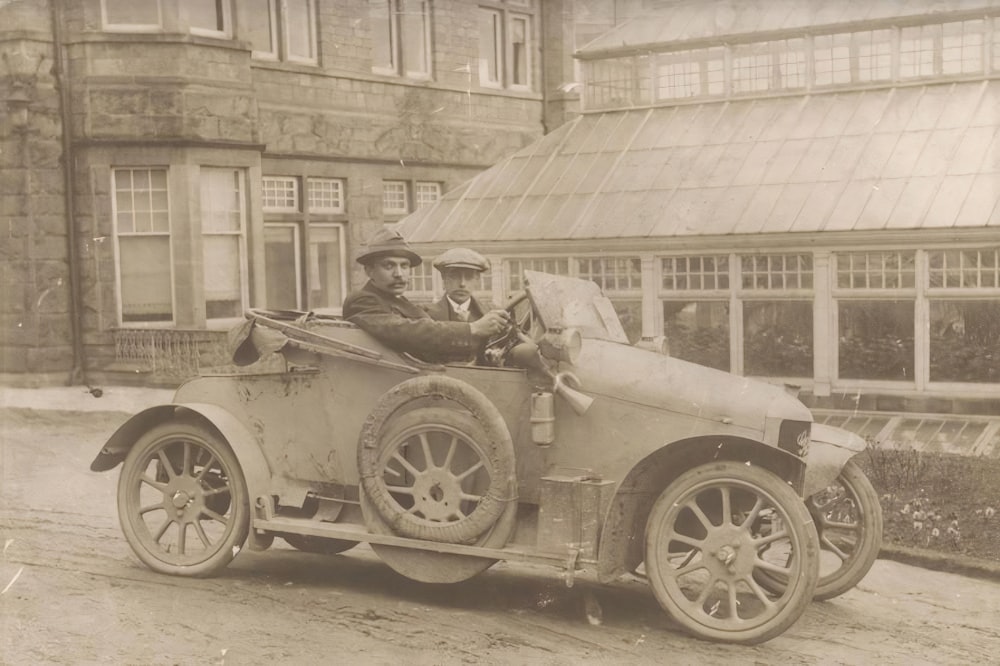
(564, 445)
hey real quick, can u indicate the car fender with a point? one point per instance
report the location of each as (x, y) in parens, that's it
(252, 462)
(829, 450)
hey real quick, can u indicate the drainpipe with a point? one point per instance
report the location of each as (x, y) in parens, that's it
(78, 374)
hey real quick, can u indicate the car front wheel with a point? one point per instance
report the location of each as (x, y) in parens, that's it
(709, 535)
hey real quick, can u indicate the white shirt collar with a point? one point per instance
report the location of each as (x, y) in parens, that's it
(459, 307)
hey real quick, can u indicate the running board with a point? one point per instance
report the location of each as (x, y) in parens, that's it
(569, 559)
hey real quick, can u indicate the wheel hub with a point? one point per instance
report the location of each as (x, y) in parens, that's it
(437, 495)
(182, 498)
(731, 550)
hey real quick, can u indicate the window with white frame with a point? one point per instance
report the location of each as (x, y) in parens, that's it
(621, 280)
(426, 192)
(962, 47)
(777, 308)
(516, 268)
(395, 197)
(142, 234)
(326, 195)
(963, 291)
(422, 280)
(305, 254)
(281, 29)
(695, 300)
(131, 15)
(401, 37)
(506, 46)
(778, 65)
(223, 237)
(875, 296)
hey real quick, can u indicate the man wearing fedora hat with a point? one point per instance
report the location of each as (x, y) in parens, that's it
(381, 309)
(460, 268)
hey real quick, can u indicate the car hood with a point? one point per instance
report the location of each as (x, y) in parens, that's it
(618, 371)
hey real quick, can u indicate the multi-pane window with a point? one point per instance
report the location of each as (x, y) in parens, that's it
(210, 18)
(401, 37)
(858, 58)
(875, 315)
(142, 232)
(395, 199)
(426, 192)
(876, 270)
(506, 46)
(281, 29)
(223, 224)
(874, 48)
(779, 65)
(516, 268)
(422, 278)
(777, 329)
(695, 273)
(612, 273)
(962, 47)
(964, 306)
(326, 195)
(280, 194)
(777, 271)
(695, 293)
(129, 15)
(304, 242)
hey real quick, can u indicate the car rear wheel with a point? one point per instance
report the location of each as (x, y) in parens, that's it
(707, 536)
(182, 500)
(848, 518)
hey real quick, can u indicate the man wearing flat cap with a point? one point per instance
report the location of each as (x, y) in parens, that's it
(460, 269)
(381, 309)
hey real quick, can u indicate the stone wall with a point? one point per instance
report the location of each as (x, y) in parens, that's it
(35, 322)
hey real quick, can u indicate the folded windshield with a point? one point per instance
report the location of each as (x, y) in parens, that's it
(566, 302)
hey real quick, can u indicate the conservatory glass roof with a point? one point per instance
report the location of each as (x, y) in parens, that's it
(914, 157)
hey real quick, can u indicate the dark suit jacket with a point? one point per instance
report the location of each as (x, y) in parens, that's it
(442, 311)
(406, 327)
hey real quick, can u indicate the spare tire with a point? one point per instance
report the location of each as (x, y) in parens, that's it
(441, 473)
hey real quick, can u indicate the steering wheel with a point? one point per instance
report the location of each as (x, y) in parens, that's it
(496, 348)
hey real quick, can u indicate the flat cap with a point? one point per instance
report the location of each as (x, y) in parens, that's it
(461, 257)
(387, 242)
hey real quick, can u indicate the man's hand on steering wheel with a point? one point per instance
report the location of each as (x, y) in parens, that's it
(491, 324)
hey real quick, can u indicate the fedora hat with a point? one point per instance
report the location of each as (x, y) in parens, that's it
(387, 242)
(461, 257)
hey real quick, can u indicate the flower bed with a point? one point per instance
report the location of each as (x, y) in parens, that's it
(940, 502)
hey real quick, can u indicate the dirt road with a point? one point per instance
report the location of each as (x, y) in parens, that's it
(74, 594)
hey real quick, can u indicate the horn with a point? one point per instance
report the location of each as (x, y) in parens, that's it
(578, 401)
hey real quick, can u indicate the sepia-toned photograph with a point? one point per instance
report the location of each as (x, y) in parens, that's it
(499, 332)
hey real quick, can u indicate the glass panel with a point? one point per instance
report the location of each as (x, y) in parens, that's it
(778, 338)
(414, 28)
(519, 54)
(326, 195)
(259, 25)
(698, 331)
(876, 270)
(832, 57)
(422, 277)
(683, 273)
(613, 273)
(489, 46)
(132, 12)
(326, 269)
(516, 268)
(221, 200)
(962, 47)
(752, 68)
(299, 29)
(876, 340)
(916, 50)
(965, 341)
(394, 197)
(874, 55)
(630, 315)
(280, 193)
(967, 269)
(204, 14)
(427, 193)
(777, 271)
(280, 262)
(383, 35)
(145, 277)
(791, 64)
(223, 298)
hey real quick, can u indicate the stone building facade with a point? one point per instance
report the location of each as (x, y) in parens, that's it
(168, 164)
